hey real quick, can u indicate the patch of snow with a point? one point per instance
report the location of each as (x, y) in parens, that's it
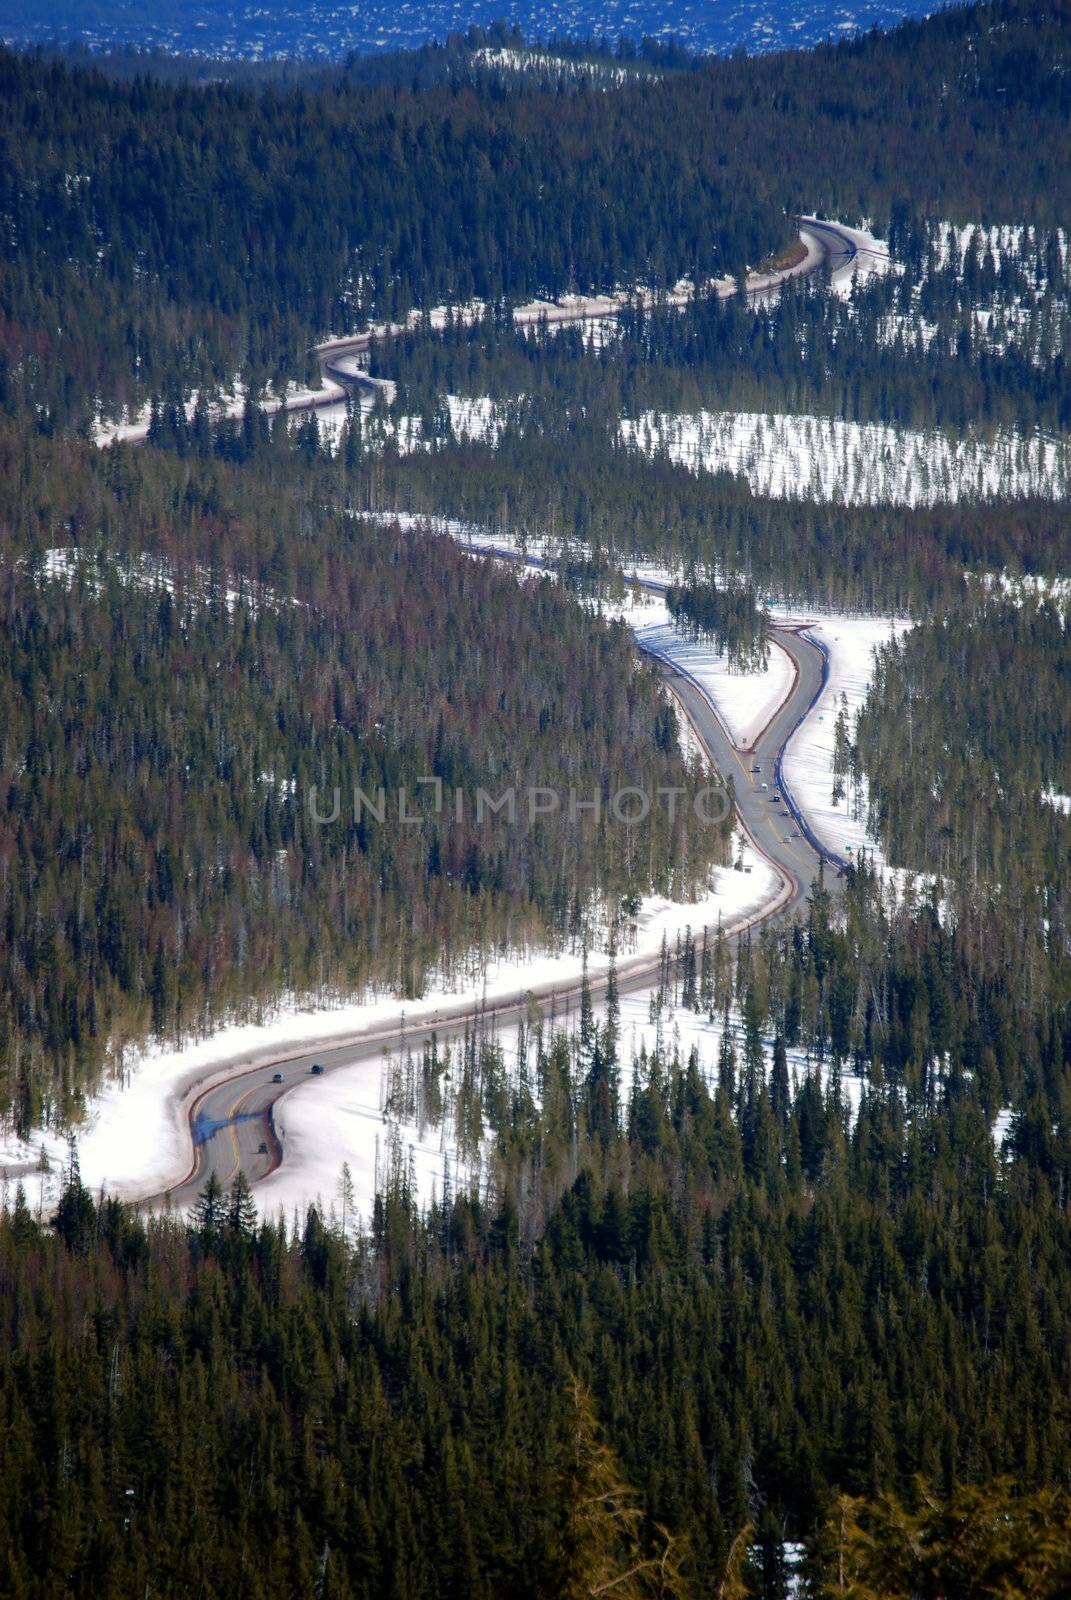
(135, 429)
(150, 574)
(1002, 1126)
(808, 762)
(541, 64)
(803, 457)
(1024, 586)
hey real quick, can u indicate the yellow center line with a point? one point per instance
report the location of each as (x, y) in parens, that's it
(233, 1112)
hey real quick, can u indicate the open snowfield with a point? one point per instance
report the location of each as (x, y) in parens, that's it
(788, 457)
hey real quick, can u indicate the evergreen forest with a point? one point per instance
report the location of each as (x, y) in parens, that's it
(784, 1318)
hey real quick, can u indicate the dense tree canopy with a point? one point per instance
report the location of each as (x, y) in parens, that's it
(157, 232)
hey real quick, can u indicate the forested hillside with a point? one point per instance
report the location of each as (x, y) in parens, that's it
(219, 644)
(158, 235)
(770, 1300)
(558, 477)
(966, 738)
(965, 747)
(788, 1314)
(954, 337)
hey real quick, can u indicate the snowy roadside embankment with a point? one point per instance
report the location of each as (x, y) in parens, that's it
(870, 256)
(802, 457)
(809, 761)
(745, 701)
(222, 408)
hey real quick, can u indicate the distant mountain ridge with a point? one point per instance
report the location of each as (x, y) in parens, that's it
(329, 30)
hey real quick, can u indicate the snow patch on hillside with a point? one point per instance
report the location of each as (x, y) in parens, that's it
(1022, 587)
(151, 574)
(542, 64)
(790, 457)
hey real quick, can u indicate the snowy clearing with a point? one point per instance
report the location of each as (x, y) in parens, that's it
(802, 457)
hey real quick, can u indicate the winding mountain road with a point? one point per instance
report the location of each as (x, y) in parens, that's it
(231, 1111)
(827, 246)
(232, 1118)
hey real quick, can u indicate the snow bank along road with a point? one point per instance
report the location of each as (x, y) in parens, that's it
(825, 245)
(231, 1116)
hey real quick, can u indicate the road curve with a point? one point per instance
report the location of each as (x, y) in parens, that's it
(232, 1121)
(826, 246)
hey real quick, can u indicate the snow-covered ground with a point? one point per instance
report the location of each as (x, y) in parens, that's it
(133, 429)
(799, 457)
(542, 64)
(745, 701)
(341, 1118)
(1023, 587)
(1003, 241)
(808, 762)
(151, 573)
(1007, 283)
(1002, 1127)
(871, 257)
(477, 418)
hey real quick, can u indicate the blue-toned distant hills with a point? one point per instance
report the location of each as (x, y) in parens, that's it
(330, 30)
